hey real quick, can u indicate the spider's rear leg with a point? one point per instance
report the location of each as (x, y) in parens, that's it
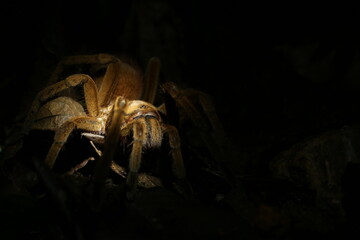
(205, 119)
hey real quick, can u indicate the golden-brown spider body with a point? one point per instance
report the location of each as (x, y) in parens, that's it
(117, 104)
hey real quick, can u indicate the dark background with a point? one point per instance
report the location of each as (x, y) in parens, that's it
(277, 74)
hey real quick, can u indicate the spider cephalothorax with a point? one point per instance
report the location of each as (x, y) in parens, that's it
(147, 119)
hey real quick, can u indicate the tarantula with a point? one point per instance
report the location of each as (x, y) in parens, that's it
(118, 103)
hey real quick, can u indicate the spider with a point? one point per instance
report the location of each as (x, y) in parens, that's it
(118, 103)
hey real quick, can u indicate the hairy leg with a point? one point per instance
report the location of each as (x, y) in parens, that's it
(135, 157)
(111, 143)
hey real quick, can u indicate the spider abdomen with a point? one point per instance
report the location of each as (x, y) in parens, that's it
(56, 112)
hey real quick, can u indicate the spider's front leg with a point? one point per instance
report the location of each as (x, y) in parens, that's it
(148, 132)
(135, 158)
(111, 143)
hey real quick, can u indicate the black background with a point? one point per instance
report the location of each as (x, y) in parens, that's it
(277, 74)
